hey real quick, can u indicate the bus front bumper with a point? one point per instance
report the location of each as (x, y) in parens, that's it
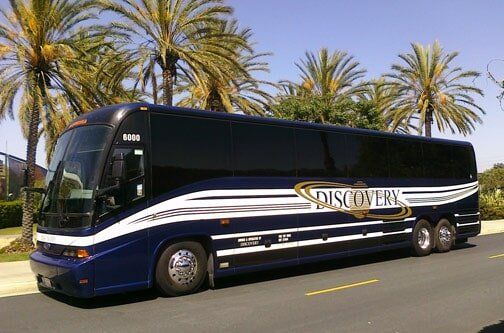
(73, 277)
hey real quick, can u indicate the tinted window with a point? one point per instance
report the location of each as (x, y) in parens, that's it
(437, 160)
(132, 187)
(405, 159)
(186, 150)
(320, 154)
(263, 150)
(367, 156)
(464, 165)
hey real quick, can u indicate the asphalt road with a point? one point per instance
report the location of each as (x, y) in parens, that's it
(459, 291)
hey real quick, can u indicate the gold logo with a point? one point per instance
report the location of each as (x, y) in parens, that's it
(358, 199)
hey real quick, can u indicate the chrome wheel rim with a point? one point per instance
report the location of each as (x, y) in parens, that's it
(183, 267)
(423, 238)
(445, 236)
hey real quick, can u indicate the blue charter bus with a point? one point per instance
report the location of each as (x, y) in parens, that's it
(141, 195)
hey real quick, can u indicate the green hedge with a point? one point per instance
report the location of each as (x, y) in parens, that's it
(492, 212)
(492, 205)
(11, 213)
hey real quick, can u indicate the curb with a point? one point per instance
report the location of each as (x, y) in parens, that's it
(18, 288)
(492, 227)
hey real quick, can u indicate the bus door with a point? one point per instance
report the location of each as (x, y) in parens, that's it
(124, 192)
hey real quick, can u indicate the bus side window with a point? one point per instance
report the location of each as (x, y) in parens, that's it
(320, 154)
(463, 163)
(437, 160)
(132, 187)
(367, 156)
(405, 159)
(263, 150)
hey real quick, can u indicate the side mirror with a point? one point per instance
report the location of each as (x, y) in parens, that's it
(118, 167)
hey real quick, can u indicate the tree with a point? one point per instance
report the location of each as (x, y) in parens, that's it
(498, 81)
(42, 43)
(177, 33)
(326, 91)
(235, 89)
(383, 96)
(428, 87)
(492, 179)
(322, 109)
(334, 75)
(108, 66)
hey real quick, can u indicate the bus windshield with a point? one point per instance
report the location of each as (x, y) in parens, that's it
(73, 176)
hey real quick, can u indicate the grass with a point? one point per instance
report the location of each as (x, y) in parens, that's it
(14, 231)
(16, 251)
(9, 257)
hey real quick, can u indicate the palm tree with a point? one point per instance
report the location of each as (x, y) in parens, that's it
(235, 89)
(178, 32)
(333, 75)
(42, 43)
(383, 96)
(428, 87)
(109, 66)
(147, 75)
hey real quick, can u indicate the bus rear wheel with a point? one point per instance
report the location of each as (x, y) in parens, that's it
(422, 238)
(444, 235)
(181, 269)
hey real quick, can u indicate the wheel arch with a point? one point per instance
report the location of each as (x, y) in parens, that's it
(450, 217)
(426, 217)
(203, 239)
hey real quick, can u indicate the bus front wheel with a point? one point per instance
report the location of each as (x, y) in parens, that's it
(422, 238)
(181, 269)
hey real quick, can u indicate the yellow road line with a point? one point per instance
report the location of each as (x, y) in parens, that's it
(496, 256)
(330, 290)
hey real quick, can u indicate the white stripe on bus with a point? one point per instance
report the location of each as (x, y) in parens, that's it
(319, 227)
(286, 245)
(147, 216)
(457, 215)
(466, 224)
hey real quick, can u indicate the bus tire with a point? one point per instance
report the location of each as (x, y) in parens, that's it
(422, 238)
(181, 269)
(444, 235)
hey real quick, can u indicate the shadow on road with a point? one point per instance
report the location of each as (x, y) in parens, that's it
(318, 267)
(105, 301)
(250, 278)
(495, 328)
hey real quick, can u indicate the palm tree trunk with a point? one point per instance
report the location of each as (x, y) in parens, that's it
(216, 103)
(167, 87)
(428, 123)
(154, 87)
(31, 151)
(169, 73)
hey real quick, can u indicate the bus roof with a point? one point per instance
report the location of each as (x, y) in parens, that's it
(114, 114)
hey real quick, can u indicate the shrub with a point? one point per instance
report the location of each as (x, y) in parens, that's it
(492, 179)
(11, 213)
(492, 205)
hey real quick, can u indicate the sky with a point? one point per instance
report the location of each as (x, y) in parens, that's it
(374, 32)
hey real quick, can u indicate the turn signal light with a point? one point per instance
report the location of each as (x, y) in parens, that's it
(82, 253)
(76, 253)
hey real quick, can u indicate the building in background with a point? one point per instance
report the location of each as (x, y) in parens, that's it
(12, 175)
